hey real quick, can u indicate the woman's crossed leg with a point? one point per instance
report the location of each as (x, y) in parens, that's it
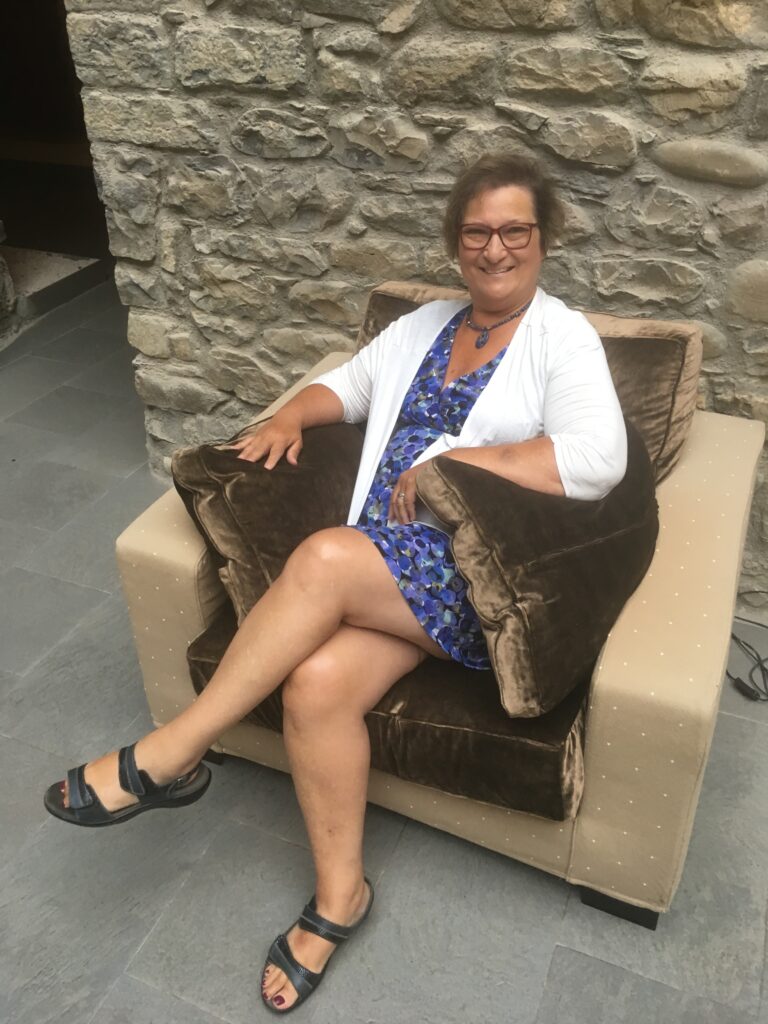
(335, 577)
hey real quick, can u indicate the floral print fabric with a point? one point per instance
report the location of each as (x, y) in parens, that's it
(419, 556)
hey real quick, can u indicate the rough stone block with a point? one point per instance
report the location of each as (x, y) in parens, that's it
(377, 259)
(758, 122)
(742, 220)
(714, 23)
(530, 118)
(223, 329)
(401, 18)
(232, 289)
(7, 289)
(648, 279)
(337, 302)
(258, 57)
(394, 138)
(149, 121)
(119, 50)
(615, 13)
(346, 39)
(577, 225)
(128, 181)
(714, 342)
(138, 286)
(307, 200)
(279, 134)
(677, 87)
(362, 10)
(706, 159)
(437, 68)
(159, 386)
(510, 14)
(408, 215)
(237, 370)
(288, 254)
(653, 216)
(149, 332)
(567, 69)
(747, 290)
(203, 187)
(139, 6)
(301, 348)
(592, 138)
(338, 78)
(480, 136)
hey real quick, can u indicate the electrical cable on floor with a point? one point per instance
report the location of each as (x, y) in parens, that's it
(753, 687)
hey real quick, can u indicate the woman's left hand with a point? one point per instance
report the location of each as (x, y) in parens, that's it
(402, 510)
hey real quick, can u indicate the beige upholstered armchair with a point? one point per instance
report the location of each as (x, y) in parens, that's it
(642, 729)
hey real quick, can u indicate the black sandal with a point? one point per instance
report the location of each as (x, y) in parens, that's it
(85, 808)
(303, 980)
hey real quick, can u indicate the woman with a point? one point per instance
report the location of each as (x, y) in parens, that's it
(515, 383)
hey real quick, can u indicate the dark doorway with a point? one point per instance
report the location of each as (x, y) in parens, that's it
(48, 198)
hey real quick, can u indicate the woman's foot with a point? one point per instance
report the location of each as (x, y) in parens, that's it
(310, 950)
(155, 755)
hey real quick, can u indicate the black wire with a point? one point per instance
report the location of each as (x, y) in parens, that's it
(752, 688)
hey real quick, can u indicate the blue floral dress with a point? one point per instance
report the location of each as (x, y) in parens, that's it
(420, 556)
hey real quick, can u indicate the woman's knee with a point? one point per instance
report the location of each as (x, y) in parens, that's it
(316, 688)
(321, 554)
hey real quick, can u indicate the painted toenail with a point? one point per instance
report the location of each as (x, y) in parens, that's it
(278, 1000)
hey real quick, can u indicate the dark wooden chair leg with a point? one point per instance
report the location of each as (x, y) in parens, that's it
(213, 756)
(627, 911)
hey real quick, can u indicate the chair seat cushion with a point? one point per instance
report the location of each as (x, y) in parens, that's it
(441, 726)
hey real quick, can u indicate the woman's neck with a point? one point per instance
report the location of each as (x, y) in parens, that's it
(484, 316)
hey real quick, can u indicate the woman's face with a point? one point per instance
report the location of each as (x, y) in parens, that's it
(499, 279)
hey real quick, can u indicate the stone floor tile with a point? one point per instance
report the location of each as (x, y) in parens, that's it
(81, 902)
(83, 551)
(48, 495)
(117, 445)
(91, 680)
(210, 943)
(69, 410)
(113, 319)
(583, 990)
(17, 540)
(131, 1002)
(38, 612)
(711, 941)
(458, 934)
(29, 378)
(731, 701)
(20, 443)
(112, 376)
(82, 346)
(22, 769)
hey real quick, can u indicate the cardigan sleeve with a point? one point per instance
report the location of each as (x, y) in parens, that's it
(352, 382)
(582, 415)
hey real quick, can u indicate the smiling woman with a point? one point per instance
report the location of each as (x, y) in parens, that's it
(515, 383)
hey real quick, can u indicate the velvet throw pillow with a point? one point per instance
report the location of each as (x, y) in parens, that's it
(253, 518)
(548, 575)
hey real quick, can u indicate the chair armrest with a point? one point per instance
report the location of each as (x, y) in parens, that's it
(656, 686)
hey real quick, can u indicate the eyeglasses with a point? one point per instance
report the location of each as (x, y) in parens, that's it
(511, 236)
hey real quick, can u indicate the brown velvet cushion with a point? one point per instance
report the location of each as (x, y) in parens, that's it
(253, 518)
(441, 726)
(548, 575)
(654, 364)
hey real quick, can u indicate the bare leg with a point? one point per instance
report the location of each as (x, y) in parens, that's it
(335, 576)
(324, 701)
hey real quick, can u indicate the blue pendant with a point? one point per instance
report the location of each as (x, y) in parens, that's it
(483, 338)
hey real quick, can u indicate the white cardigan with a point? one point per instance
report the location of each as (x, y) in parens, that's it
(552, 380)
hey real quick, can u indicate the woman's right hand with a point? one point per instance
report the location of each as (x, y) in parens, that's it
(278, 437)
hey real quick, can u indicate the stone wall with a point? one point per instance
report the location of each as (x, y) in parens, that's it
(264, 162)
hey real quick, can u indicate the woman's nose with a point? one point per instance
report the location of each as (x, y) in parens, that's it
(494, 251)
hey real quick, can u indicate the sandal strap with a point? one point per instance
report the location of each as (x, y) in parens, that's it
(315, 923)
(80, 793)
(303, 980)
(132, 780)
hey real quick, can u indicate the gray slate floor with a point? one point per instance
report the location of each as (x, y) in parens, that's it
(166, 920)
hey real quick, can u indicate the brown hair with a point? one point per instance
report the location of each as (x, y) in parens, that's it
(497, 170)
